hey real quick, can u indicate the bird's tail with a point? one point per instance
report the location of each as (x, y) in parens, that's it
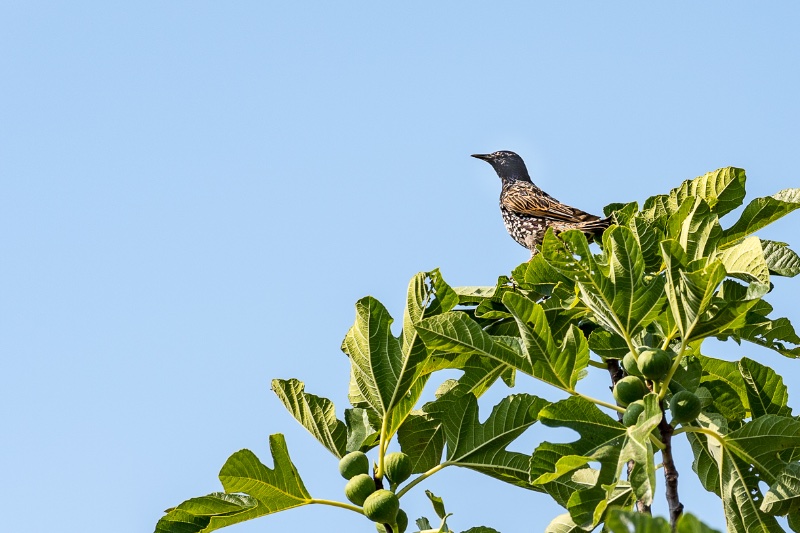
(596, 227)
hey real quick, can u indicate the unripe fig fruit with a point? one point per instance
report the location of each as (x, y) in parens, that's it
(629, 389)
(632, 413)
(654, 364)
(401, 521)
(352, 464)
(631, 367)
(359, 487)
(397, 466)
(685, 406)
(382, 506)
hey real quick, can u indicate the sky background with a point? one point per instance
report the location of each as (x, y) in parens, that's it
(193, 195)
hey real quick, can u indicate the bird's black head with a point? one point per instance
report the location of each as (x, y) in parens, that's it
(508, 165)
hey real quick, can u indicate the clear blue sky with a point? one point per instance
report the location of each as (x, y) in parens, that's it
(194, 195)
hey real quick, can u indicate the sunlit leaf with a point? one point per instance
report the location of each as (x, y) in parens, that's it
(253, 490)
(745, 260)
(559, 367)
(766, 392)
(761, 212)
(317, 415)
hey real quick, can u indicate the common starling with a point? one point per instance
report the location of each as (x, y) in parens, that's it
(528, 211)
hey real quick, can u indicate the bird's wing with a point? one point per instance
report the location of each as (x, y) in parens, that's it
(527, 199)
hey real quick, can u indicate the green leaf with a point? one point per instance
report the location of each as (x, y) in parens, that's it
(586, 507)
(555, 466)
(648, 235)
(755, 445)
(742, 459)
(688, 374)
(695, 227)
(781, 260)
(563, 523)
(619, 295)
(539, 276)
(559, 367)
(607, 345)
(766, 392)
(636, 300)
(723, 189)
(688, 523)
(761, 212)
(362, 433)
(784, 494)
(375, 354)
(773, 334)
(265, 491)
(316, 414)
(481, 447)
(208, 513)
(689, 293)
(622, 521)
(385, 370)
(421, 437)
(456, 332)
(622, 212)
(745, 261)
(638, 448)
(724, 380)
(707, 450)
(276, 488)
(438, 504)
(763, 441)
(729, 311)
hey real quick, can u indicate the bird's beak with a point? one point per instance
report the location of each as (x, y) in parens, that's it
(485, 157)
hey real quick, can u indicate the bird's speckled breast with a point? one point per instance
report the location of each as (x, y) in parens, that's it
(527, 231)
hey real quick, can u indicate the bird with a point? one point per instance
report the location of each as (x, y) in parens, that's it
(528, 211)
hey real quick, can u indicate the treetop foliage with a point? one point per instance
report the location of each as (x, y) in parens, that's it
(667, 276)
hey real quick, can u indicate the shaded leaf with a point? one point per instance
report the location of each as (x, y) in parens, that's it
(362, 434)
(784, 494)
(607, 345)
(481, 447)
(421, 437)
(557, 467)
(724, 380)
(781, 260)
